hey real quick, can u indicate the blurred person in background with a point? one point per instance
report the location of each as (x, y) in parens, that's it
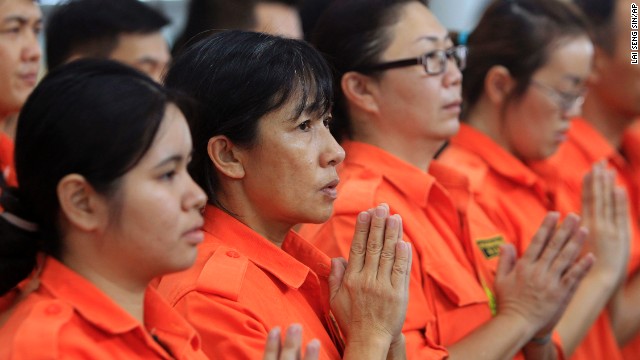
(20, 53)
(605, 132)
(128, 31)
(277, 17)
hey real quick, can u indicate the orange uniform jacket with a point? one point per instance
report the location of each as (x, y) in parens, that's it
(242, 285)
(517, 199)
(447, 299)
(67, 317)
(584, 147)
(7, 168)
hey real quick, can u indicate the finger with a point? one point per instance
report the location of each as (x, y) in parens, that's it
(587, 198)
(292, 343)
(272, 348)
(338, 269)
(312, 351)
(578, 270)
(407, 278)
(506, 262)
(608, 180)
(541, 237)
(358, 249)
(559, 239)
(388, 257)
(376, 239)
(622, 220)
(569, 252)
(400, 269)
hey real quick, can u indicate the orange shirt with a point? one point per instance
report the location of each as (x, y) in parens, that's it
(517, 199)
(447, 299)
(68, 317)
(7, 168)
(584, 147)
(242, 285)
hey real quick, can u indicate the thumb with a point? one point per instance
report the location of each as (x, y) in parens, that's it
(507, 261)
(338, 268)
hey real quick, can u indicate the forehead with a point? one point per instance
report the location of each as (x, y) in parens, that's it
(570, 59)
(416, 28)
(133, 47)
(28, 9)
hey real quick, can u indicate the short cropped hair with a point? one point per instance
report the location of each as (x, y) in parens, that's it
(92, 27)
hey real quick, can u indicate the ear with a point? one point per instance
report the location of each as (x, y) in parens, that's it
(81, 205)
(600, 64)
(360, 90)
(226, 157)
(498, 84)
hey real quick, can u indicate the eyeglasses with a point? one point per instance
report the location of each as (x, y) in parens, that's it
(434, 62)
(564, 100)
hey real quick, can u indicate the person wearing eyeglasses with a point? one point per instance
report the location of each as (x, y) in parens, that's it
(605, 133)
(528, 64)
(398, 99)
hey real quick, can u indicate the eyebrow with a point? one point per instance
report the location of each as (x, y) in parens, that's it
(20, 19)
(169, 160)
(434, 39)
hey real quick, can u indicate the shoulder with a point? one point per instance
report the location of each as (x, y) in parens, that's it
(35, 329)
(220, 271)
(466, 162)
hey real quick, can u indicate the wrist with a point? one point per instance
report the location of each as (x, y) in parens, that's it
(541, 340)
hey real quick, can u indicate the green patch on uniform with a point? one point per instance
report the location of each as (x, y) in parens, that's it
(490, 247)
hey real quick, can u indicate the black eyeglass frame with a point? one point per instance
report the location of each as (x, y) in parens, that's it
(458, 53)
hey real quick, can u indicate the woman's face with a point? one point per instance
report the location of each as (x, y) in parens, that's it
(290, 173)
(157, 226)
(413, 103)
(536, 124)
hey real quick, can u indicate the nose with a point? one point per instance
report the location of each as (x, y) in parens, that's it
(453, 75)
(575, 109)
(31, 50)
(333, 154)
(195, 197)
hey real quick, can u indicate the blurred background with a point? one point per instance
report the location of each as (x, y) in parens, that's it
(457, 15)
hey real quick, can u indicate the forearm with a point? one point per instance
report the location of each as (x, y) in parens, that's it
(625, 312)
(504, 344)
(591, 297)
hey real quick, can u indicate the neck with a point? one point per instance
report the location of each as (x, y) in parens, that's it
(486, 118)
(242, 208)
(610, 123)
(118, 284)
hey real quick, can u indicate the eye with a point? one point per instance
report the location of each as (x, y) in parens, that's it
(168, 176)
(327, 122)
(305, 125)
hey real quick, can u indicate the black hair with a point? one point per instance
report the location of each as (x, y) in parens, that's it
(237, 77)
(353, 34)
(519, 35)
(92, 27)
(95, 118)
(601, 15)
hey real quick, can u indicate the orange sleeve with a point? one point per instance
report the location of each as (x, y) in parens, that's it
(227, 330)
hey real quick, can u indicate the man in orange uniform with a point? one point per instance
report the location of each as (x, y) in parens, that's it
(603, 133)
(20, 24)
